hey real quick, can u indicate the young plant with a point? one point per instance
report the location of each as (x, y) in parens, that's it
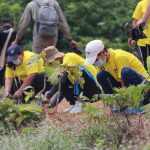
(14, 116)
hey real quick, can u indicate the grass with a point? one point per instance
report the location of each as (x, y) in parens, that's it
(51, 136)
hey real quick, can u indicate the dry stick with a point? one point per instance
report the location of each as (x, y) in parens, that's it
(59, 91)
(116, 120)
(128, 121)
(39, 99)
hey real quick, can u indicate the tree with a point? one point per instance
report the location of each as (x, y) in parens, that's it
(87, 19)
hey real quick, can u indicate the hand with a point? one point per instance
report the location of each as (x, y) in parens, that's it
(14, 42)
(131, 41)
(6, 94)
(73, 43)
(138, 23)
(17, 94)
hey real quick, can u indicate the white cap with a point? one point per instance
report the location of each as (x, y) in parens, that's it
(92, 49)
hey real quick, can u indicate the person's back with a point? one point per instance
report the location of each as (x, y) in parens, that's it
(39, 42)
(72, 59)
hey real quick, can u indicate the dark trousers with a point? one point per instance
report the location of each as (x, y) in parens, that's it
(145, 53)
(129, 77)
(89, 89)
(2, 78)
(38, 84)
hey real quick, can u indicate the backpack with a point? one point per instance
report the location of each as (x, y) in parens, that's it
(47, 19)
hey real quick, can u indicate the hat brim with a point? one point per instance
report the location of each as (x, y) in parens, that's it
(90, 60)
(52, 58)
(11, 58)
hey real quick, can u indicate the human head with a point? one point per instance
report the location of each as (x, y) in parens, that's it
(93, 50)
(14, 54)
(52, 54)
(5, 23)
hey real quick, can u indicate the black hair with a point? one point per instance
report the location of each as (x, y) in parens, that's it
(105, 49)
(11, 65)
(5, 20)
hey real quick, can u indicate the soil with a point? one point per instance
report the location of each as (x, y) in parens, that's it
(139, 132)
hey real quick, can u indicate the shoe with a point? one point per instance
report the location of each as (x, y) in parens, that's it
(128, 111)
(77, 108)
(69, 109)
(133, 111)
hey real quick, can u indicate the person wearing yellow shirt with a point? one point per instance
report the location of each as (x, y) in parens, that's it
(118, 68)
(145, 16)
(21, 72)
(144, 44)
(70, 88)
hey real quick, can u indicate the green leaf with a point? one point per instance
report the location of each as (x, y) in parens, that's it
(30, 107)
(148, 64)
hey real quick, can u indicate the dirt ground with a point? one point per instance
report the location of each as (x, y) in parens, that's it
(139, 132)
(74, 121)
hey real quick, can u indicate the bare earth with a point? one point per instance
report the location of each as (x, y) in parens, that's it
(140, 131)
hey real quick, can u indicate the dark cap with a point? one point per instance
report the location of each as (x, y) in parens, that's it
(12, 52)
(5, 22)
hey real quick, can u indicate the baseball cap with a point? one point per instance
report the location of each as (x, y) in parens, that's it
(12, 52)
(92, 49)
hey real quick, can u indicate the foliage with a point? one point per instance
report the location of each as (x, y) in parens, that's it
(93, 19)
(148, 64)
(124, 97)
(14, 116)
(51, 136)
(45, 137)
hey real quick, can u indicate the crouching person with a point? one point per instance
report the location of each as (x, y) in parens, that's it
(22, 72)
(70, 88)
(118, 68)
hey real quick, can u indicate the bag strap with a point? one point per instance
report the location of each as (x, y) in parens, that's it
(3, 52)
(43, 2)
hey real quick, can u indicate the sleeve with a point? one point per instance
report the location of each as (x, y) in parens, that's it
(137, 14)
(24, 22)
(8, 73)
(63, 22)
(32, 67)
(120, 64)
(71, 59)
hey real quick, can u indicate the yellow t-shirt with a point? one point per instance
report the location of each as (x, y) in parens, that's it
(119, 59)
(26, 67)
(72, 59)
(138, 13)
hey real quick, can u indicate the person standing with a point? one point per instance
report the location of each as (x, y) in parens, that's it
(7, 35)
(144, 44)
(31, 13)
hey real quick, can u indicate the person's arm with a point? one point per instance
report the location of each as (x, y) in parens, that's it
(27, 81)
(130, 40)
(64, 24)
(144, 18)
(8, 85)
(122, 83)
(137, 15)
(24, 23)
(52, 91)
